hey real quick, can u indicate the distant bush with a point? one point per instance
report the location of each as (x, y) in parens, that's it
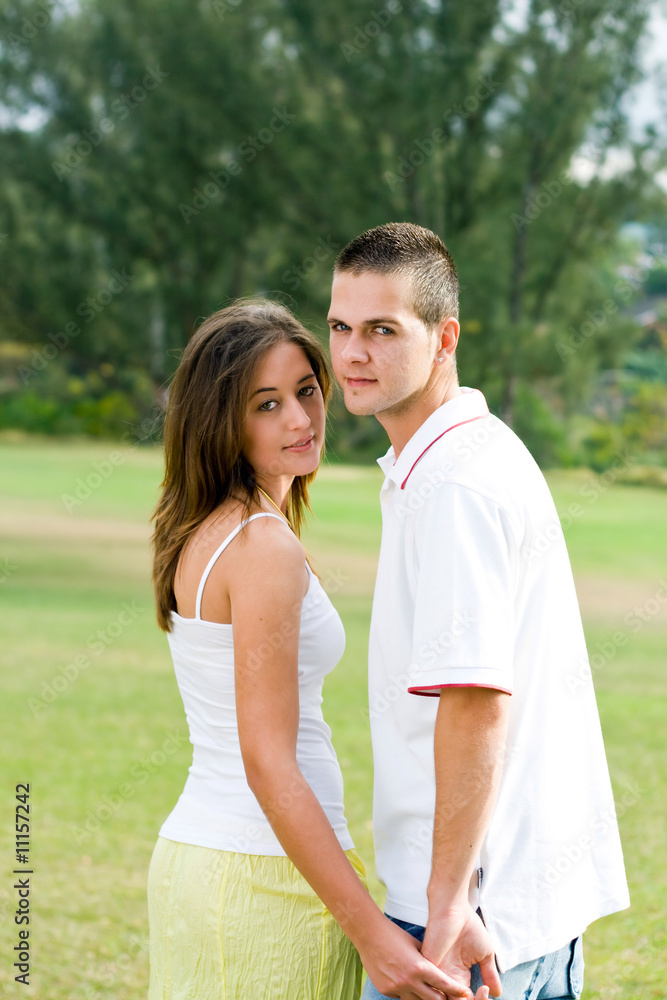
(656, 282)
(540, 429)
(644, 475)
(601, 445)
(101, 402)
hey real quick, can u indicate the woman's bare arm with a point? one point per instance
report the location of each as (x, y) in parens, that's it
(267, 586)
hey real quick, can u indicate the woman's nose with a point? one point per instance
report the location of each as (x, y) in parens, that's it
(297, 416)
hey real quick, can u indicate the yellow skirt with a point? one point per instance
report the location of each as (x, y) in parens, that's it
(227, 926)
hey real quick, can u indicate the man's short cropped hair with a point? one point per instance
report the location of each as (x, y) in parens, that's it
(403, 248)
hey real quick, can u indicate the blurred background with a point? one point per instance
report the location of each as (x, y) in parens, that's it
(160, 158)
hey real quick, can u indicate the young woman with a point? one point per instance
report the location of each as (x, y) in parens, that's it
(255, 889)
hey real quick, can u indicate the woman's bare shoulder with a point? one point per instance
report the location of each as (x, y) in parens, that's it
(269, 538)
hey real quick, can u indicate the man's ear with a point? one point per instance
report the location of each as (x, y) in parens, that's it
(447, 333)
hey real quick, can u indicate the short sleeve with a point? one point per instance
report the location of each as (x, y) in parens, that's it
(465, 557)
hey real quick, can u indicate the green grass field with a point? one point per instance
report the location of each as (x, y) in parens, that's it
(92, 719)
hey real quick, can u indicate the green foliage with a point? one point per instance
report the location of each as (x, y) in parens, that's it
(99, 402)
(656, 282)
(161, 159)
(644, 423)
(543, 433)
(353, 439)
(601, 446)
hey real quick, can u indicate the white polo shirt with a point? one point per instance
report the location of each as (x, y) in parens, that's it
(474, 588)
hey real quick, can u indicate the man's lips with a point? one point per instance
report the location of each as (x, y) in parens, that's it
(358, 382)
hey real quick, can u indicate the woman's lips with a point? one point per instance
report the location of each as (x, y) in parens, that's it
(303, 445)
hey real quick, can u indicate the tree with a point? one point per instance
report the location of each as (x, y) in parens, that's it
(225, 149)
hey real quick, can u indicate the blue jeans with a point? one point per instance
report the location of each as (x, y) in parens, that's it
(558, 976)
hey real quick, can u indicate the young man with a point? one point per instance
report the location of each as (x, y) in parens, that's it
(494, 820)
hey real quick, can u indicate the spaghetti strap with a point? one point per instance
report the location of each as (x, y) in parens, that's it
(220, 549)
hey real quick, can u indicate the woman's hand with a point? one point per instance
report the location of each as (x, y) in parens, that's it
(394, 963)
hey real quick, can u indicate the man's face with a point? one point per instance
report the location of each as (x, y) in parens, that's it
(382, 353)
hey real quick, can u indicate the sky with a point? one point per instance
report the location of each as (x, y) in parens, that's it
(643, 101)
(644, 104)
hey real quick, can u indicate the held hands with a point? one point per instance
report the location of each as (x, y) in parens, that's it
(457, 940)
(397, 968)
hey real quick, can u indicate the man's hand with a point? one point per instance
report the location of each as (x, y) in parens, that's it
(455, 941)
(396, 967)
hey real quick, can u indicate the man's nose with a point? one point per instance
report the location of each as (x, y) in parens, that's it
(354, 348)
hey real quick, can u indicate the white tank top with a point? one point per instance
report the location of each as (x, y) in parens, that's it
(217, 808)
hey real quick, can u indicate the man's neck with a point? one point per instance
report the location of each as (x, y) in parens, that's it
(402, 422)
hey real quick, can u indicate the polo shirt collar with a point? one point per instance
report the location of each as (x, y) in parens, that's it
(469, 405)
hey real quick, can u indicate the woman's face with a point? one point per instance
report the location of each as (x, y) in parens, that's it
(284, 427)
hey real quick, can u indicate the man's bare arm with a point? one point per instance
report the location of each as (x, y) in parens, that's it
(469, 743)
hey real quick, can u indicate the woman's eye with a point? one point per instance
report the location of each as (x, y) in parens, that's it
(308, 390)
(268, 404)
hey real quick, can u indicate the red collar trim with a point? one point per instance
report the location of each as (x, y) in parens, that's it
(470, 421)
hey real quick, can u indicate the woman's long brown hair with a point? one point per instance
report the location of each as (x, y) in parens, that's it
(204, 429)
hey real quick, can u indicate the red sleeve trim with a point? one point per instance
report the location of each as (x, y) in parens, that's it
(453, 427)
(432, 690)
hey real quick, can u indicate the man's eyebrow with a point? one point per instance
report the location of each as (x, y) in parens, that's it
(369, 322)
(381, 320)
(272, 388)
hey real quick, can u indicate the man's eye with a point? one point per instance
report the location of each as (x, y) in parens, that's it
(384, 330)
